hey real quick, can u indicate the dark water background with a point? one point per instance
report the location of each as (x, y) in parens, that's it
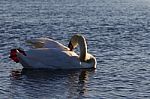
(118, 34)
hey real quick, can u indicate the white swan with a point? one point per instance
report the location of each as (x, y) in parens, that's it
(53, 58)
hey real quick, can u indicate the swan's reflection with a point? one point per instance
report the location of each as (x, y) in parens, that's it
(50, 83)
(78, 85)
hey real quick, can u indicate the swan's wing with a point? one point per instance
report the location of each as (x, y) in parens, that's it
(50, 58)
(46, 43)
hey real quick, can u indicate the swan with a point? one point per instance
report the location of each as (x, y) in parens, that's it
(54, 58)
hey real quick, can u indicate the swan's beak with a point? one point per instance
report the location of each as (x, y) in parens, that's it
(70, 46)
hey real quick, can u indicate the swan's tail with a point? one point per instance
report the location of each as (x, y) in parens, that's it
(13, 54)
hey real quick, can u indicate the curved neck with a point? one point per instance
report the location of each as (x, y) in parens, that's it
(83, 48)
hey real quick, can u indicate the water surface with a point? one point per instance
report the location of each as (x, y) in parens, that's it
(117, 32)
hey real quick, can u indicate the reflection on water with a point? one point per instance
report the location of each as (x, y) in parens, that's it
(57, 84)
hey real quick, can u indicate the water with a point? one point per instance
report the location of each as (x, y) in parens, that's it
(117, 32)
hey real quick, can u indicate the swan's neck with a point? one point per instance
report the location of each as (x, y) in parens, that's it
(83, 48)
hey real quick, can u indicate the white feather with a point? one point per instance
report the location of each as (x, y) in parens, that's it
(46, 43)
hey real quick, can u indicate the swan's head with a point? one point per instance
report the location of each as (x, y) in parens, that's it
(85, 58)
(74, 42)
(90, 61)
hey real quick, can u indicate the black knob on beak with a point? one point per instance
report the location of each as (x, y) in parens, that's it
(70, 46)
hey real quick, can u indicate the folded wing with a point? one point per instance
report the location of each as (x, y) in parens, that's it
(49, 58)
(46, 43)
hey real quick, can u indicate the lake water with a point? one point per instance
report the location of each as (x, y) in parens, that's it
(118, 35)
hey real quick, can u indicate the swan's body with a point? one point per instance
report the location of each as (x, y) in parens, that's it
(58, 57)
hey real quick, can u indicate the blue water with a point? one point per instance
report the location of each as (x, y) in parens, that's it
(118, 35)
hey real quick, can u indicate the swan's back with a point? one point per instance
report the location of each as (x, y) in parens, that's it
(46, 43)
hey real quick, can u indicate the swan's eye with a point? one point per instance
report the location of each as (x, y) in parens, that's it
(70, 46)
